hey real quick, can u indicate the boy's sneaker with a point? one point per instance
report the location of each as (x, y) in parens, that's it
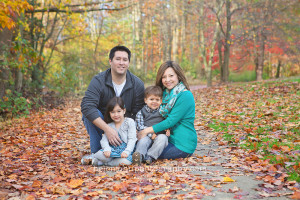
(96, 162)
(87, 159)
(148, 160)
(136, 158)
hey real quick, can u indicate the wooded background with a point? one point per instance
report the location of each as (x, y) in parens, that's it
(59, 45)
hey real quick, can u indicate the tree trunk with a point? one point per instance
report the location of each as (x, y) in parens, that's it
(145, 65)
(18, 73)
(227, 44)
(220, 55)
(278, 69)
(152, 44)
(183, 33)
(260, 57)
(5, 42)
(140, 22)
(202, 42)
(18, 80)
(166, 42)
(133, 57)
(175, 31)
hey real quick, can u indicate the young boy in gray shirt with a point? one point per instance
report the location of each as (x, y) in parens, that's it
(150, 147)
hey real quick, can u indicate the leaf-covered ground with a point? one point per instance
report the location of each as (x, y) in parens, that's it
(248, 148)
(261, 117)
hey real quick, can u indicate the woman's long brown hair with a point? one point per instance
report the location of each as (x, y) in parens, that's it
(177, 70)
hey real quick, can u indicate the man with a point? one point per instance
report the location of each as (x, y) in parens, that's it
(115, 81)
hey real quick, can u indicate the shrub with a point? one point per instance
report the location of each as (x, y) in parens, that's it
(14, 104)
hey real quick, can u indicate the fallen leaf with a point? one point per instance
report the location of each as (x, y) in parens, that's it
(296, 195)
(94, 193)
(30, 197)
(166, 176)
(207, 159)
(37, 183)
(148, 188)
(228, 179)
(277, 182)
(74, 183)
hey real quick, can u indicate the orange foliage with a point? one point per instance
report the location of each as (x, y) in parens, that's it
(9, 10)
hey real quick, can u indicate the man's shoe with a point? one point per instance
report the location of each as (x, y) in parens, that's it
(136, 158)
(96, 162)
(87, 159)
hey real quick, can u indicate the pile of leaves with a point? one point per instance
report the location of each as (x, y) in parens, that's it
(40, 155)
(263, 118)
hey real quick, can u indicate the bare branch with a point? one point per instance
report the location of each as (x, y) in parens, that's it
(56, 10)
(86, 4)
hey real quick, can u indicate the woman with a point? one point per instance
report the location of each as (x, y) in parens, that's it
(178, 107)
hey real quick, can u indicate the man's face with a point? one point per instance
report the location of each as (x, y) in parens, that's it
(120, 63)
(153, 101)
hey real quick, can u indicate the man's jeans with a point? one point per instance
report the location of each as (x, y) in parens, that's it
(94, 132)
(158, 145)
(171, 152)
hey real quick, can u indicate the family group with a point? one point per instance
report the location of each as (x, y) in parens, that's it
(128, 124)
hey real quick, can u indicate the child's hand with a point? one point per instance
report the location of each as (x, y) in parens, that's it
(107, 154)
(168, 133)
(124, 155)
(153, 136)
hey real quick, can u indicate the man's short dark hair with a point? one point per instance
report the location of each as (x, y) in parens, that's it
(153, 90)
(119, 48)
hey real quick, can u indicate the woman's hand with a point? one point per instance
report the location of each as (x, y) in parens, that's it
(107, 154)
(168, 132)
(124, 155)
(153, 136)
(144, 132)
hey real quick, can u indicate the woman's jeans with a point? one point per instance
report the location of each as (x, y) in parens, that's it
(171, 152)
(94, 132)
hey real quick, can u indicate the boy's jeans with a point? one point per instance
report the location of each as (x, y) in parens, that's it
(158, 145)
(94, 132)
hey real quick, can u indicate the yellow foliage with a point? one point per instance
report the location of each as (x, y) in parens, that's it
(10, 9)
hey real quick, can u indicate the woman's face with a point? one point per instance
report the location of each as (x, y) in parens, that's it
(169, 78)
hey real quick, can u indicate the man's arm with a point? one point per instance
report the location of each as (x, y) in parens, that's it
(110, 133)
(91, 99)
(89, 108)
(139, 97)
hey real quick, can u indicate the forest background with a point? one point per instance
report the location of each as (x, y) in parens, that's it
(55, 47)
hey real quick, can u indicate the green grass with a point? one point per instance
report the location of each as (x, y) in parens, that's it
(245, 76)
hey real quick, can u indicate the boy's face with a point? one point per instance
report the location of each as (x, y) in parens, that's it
(153, 101)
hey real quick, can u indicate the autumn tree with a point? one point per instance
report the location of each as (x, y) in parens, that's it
(10, 14)
(262, 25)
(208, 34)
(225, 41)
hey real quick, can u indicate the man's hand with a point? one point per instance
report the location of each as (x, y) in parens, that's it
(107, 154)
(110, 133)
(124, 155)
(113, 136)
